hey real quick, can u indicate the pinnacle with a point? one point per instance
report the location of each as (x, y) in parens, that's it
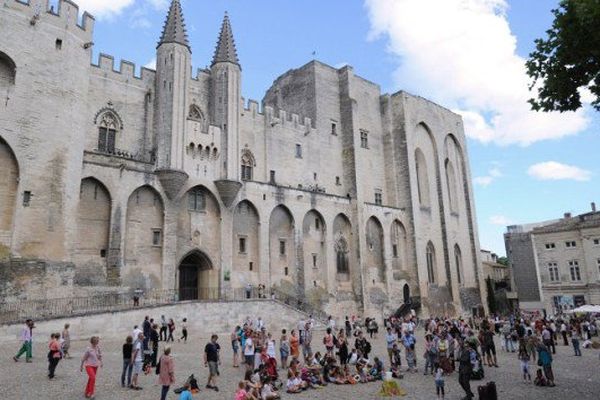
(226, 51)
(174, 28)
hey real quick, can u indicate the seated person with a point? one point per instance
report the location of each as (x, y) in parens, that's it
(294, 383)
(242, 394)
(377, 369)
(268, 392)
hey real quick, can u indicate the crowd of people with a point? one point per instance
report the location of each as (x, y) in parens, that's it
(308, 357)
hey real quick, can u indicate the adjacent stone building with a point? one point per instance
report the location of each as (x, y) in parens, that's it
(330, 190)
(500, 282)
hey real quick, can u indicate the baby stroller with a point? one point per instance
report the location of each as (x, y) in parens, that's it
(193, 385)
(270, 370)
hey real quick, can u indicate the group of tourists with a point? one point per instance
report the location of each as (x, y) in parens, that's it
(304, 357)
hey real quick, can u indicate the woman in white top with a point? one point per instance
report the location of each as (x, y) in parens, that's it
(270, 344)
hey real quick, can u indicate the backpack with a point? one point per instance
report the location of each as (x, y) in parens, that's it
(488, 391)
(158, 368)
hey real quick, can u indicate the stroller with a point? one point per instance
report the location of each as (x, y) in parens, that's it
(270, 370)
(193, 386)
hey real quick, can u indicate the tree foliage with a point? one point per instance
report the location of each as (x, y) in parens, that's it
(491, 296)
(568, 59)
(503, 261)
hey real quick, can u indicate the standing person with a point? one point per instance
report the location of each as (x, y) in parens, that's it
(439, 382)
(294, 345)
(171, 327)
(488, 348)
(431, 354)
(26, 339)
(166, 375)
(154, 338)
(524, 358)
(328, 342)
(575, 337)
(284, 349)
(66, 344)
(54, 354)
(270, 346)
(163, 328)
(127, 364)
(342, 346)
(465, 369)
(545, 361)
(92, 360)
(184, 331)
(235, 346)
(249, 352)
(136, 361)
(212, 361)
(348, 327)
(390, 338)
(307, 342)
(146, 328)
(563, 332)
(548, 340)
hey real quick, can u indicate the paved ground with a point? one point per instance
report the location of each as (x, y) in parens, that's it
(576, 377)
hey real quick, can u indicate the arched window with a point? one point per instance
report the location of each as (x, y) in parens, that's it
(248, 164)
(196, 114)
(107, 132)
(458, 263)
(430, 254)
(196, 200)
(341, 254)
(451, 186)
(422, 178)
(8, 71)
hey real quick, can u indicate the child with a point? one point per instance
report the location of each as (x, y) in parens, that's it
(439, 381)
(294, 383)
(524, 358)
(539, 378)
(186, 394)
(410, 358)
(377, 370)
(268, 392)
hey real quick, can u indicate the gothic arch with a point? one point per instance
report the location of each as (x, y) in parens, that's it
(399, 242)
(451, 186)
(430, 259)
(109, 126)
(422, 178)
(458, 265)
(282, 248)
(313, 245)
(144, 235)
(9, 184)
(342, 246)
(196, 114)
(246, 245)
(248, 163)
(375, 248)
(194, 280)
(93, 223)
(8, 71)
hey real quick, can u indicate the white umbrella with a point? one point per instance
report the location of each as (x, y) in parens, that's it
(588, 308)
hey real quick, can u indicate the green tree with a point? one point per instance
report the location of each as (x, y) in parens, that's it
(491, 297)
(503, 261)
(568, 59)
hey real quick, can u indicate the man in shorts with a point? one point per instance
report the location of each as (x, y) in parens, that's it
(212, 361)
(488, 348)
(136, 360)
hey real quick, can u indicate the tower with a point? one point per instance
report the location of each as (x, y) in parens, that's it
(173, 70)
(225, 99)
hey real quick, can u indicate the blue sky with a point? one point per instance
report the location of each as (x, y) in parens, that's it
(460, 53)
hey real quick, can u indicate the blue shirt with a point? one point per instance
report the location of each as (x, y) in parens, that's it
(408, 340)
(185, 395)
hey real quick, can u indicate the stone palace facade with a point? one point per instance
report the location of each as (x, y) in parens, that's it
(329, 190)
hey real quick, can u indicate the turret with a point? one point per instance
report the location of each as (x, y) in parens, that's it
(173, 70)
(225, 99)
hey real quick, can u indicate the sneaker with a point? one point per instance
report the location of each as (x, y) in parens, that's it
(15, 359)
(216, 388)
(209, 387)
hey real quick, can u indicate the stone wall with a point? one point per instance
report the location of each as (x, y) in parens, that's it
(203, 319)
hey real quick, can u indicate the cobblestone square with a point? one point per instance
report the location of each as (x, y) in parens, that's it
(576, 378)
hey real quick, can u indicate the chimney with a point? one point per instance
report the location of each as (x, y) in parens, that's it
(567, 215)
(593, 206)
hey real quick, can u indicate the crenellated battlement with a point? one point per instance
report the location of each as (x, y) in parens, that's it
(281, 117)
(126, 70)
(66, 14)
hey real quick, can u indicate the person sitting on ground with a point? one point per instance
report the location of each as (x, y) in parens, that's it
(242, 394)
(186, 394)
(377, 369)
(268, 392)
(294, 383)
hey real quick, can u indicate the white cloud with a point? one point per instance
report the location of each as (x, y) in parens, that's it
(500, 220)
(553, 171)
(462, 54)
(151, 64)
(110, 8)
(491, 176)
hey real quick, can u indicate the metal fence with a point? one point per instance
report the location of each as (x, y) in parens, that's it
(18, 311)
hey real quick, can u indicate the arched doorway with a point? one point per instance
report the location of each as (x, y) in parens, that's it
(406, 293)
(194, 277)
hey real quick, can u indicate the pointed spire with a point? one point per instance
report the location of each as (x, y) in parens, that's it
(174, 28)
(225, 51)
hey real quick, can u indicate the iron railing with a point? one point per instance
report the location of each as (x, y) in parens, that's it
(18, 311)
